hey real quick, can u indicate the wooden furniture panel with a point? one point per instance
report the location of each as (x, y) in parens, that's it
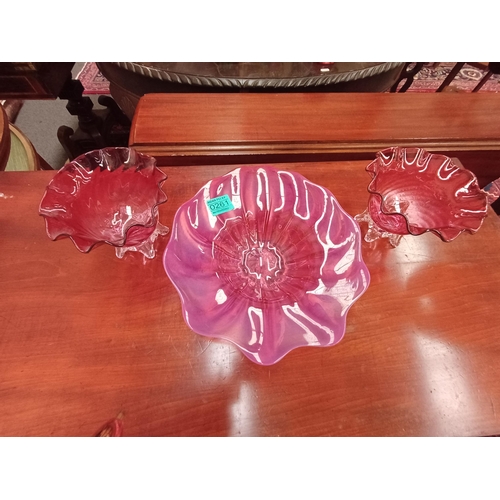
(85, 337)
(38, 80)
(183, 129)
(4, 139)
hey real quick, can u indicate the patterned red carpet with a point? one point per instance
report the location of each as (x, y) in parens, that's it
(92, 80)
(430, 78)
(427, 80)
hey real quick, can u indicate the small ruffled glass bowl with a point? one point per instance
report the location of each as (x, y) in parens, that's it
(413, 192)
(108, 195)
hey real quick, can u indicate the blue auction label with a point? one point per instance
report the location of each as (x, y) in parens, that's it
(220, 205)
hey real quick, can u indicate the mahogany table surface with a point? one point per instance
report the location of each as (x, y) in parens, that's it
(229, 124)
(188, 129)
(84, 337)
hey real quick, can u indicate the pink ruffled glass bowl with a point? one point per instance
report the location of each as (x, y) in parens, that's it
(413, 191)
(278, 271)
(109, 195)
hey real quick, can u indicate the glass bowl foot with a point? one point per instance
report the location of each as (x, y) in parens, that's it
(146, 247)
(374, 232)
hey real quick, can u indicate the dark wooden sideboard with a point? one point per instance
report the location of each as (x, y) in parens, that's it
(186, 129)
(33, 80)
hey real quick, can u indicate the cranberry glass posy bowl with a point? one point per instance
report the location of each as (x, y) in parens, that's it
(414, 191)
(276, 271)
(109, 195)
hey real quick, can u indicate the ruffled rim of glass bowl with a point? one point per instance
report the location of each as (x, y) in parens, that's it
(438, 231)
(183, 289)
(82, 162)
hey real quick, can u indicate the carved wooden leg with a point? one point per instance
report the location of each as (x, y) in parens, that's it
(96, 129)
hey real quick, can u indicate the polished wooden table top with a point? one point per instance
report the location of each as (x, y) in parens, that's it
(84, 337)
(187, 129)
(229, 124)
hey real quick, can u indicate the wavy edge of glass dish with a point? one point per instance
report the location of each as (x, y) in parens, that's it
(82, 162)
(394, 238)
(358, 251)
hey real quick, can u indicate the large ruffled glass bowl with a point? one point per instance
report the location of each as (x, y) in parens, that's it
(278, 271)
(109, 195)
(413, 191)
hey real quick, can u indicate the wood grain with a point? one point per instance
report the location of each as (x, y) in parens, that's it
(85, 337)
(180, 129)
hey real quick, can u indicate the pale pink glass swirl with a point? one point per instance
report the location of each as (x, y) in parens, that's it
(413, 191)
(277, 272)
(109, 195)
